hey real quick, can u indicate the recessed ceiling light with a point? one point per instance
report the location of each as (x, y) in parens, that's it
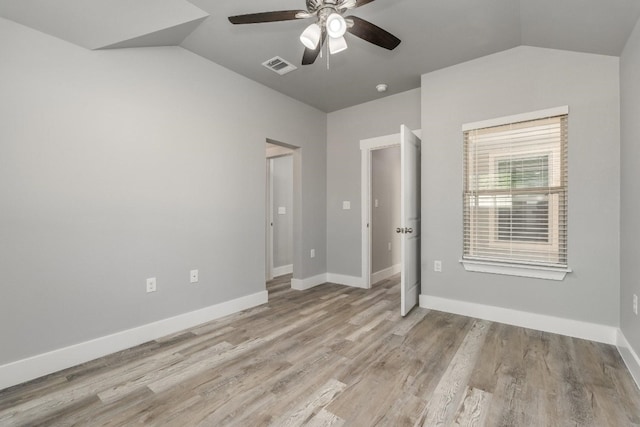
(382, 87)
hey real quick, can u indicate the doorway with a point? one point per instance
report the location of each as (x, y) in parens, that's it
(409, 226)
(385, 213)
(280, 211)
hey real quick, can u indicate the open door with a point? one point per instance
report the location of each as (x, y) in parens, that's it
(410, 217)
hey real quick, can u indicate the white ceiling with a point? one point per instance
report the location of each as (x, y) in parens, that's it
(434, 33)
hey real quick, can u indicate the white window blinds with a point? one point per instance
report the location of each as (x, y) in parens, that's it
(515, 193)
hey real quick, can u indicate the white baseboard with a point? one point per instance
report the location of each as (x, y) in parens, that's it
(282, 270)
(557, 325)
(43, 364)
(309, 282)
(629, 356)
(386, 273)
(341, 279)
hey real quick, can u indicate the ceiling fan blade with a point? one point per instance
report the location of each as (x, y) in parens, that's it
(371, 33)
(309, 56)
(280, 15)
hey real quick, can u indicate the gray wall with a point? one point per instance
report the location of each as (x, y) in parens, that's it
(282, 180)
(120, 165)
(345, 129)
(516, 81)
(385, 218)
(630, 187)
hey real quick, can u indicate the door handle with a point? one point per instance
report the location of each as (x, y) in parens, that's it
(401, 230)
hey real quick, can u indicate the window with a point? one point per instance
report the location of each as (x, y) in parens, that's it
(524, 218)
(515, 191)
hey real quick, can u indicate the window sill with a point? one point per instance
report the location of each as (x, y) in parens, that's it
(537, 272)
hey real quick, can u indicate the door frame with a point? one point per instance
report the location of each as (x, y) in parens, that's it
(280, 149)
(269, 222)
(366, 147)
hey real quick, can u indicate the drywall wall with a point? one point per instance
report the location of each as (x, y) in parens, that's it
(345, 129)
(282, 181)
(385, 212)
(630, 188)
(516, 81)
(120, 165)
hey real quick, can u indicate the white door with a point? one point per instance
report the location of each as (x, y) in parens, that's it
(410, 217)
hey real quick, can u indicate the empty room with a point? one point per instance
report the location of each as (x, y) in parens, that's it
(319, 213)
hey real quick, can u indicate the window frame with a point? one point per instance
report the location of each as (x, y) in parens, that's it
(512, 267)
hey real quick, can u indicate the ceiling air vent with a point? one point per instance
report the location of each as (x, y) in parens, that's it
(279, 65)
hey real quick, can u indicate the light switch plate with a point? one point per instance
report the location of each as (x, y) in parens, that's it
(282, 210)
(151, 284)
(193, 276)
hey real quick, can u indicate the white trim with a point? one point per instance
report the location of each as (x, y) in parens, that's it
(385, 273)
(309, 282)
(320, 279)
(542, 322)
(517, 118)
(629, 356)
(277, 151)
(269, 221)
(43, 364)
(380, 142)
(341, 279)
(537, 272)
(365, 194)
(282, 270)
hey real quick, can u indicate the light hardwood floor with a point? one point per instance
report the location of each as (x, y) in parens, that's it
(334, 356)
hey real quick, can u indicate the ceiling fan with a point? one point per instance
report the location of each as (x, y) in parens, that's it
(329, 21)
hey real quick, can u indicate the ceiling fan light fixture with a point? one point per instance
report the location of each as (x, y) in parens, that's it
(310, 37)
(337, 45)
(336, 25)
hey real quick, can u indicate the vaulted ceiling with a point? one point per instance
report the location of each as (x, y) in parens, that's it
(434, 33)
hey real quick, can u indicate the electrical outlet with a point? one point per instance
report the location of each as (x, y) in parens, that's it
(346, 205)
(635, 304)
(151, 284)
(193, 276)
(389, 246)
(437, 266)
(313, 253)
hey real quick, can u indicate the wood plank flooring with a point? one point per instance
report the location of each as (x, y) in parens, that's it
(339, 356)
